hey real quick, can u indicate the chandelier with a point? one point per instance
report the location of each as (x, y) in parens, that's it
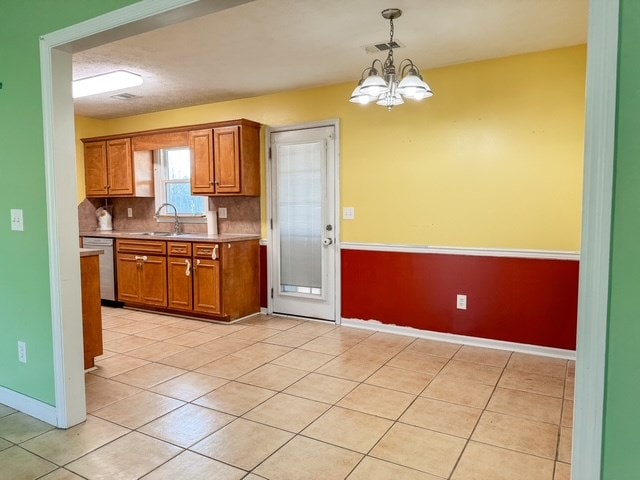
(386, 89)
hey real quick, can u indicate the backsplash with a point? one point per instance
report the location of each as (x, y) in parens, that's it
(243, 215)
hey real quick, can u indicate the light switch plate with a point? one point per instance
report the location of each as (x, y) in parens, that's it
(22, 352)
(222, 212)
(17, 221)
(348, 213)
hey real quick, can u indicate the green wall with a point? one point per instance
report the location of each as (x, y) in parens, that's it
(25, 312)
(24, 285)
(622, 391)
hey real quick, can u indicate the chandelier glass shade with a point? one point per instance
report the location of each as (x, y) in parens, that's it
(383, 84)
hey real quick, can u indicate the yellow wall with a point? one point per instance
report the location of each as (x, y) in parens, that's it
(493, 160)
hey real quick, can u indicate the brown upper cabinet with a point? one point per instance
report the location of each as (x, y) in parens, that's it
(108, 168)
(112, 171)
(226, 159)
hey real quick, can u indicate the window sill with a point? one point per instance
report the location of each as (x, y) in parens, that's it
(182, 219)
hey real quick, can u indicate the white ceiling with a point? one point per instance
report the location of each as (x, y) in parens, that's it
(267, 46)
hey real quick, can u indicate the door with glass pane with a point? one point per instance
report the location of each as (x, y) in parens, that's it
(304, 232)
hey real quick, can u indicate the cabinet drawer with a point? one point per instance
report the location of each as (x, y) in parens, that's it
(206, 250)
(179, 249)
(142, 246)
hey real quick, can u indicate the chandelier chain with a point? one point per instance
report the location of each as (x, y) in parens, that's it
(391, 31)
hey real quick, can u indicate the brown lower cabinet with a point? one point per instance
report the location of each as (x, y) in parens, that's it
(142, 272)
(218, 281)
(194, 277)
(91, 310)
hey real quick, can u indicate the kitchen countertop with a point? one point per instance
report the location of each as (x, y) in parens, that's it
(185, 237)
(87, 252)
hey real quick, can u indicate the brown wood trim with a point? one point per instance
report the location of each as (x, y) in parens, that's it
(141, 246)
(205, 317)
(185, 128)
(156, 141)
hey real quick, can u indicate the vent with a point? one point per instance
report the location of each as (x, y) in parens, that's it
(126, 96)
(382, 46)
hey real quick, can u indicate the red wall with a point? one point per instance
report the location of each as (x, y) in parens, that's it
(264, 299)
(532, 301)
(523, 300)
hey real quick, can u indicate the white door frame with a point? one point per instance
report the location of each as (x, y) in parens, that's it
(599, 156)
(593, 301)
(335, 123)
(59, 160)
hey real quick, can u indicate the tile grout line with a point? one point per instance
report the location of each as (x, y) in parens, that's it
(484, 409)
(307, 373)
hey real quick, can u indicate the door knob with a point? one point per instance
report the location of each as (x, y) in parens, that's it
(327, 241)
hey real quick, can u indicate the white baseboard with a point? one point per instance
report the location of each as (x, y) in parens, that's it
(461, 339)
(264, 311)
(30, 406)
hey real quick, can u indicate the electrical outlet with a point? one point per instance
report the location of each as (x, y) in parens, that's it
(461, 302)
(22, 352)
(129, 212)
(222, 212)
(17, 221)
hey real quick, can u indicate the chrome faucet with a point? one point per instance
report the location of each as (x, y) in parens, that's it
(176, 226)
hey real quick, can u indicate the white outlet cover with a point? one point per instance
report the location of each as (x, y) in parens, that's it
(461, 302)
(17, 220)
(222, 212)
(348, 213)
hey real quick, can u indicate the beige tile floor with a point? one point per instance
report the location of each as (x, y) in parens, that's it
(280, 398)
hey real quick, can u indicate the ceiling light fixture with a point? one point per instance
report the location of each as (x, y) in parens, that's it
(386, 90)
(106, 82)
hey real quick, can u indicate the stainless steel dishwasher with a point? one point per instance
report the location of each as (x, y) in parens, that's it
(107, 266)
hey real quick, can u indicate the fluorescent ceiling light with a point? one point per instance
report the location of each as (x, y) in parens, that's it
(107, 82)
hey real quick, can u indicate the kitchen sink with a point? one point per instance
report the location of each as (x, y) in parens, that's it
(157, 234)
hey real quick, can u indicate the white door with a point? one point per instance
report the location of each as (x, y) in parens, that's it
(303, 222)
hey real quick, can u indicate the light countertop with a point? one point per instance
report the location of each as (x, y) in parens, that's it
(184, 237)
(87, 252)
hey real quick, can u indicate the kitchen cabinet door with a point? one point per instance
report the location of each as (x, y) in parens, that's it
(201, 144)
(120, 167)
(226, 154)
(206, 286)
(153, 281)
(95, 169)
(128, 278)
(180, 279)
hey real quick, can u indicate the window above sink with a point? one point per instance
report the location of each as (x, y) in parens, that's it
(172, 178)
